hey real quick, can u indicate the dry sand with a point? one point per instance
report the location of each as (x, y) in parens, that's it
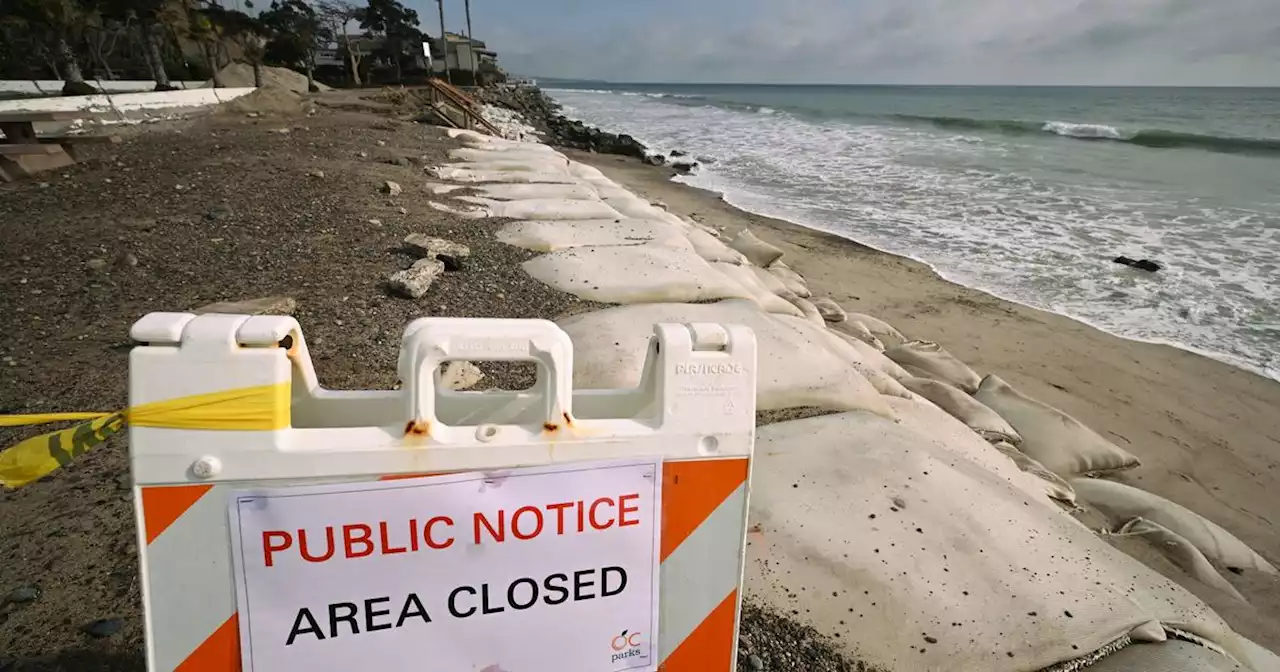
(1208, 434)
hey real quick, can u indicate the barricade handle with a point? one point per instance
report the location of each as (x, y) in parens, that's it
(432, 341)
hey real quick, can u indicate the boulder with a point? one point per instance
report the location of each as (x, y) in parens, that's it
(391, 188)
(683, 167)
(1140, 264)
(414, 281)
(427, 247)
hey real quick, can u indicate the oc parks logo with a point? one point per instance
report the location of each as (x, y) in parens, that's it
(626, 645)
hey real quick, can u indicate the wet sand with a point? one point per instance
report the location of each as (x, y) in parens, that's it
(1208, 434)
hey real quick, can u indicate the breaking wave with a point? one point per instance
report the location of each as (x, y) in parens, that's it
(1153, 138)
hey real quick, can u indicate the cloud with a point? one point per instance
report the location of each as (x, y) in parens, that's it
(1156, 42)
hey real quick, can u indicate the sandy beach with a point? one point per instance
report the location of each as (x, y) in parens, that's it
(277, 197)
(1206, 432)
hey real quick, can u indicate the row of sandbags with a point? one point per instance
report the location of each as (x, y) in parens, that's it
(932, 487)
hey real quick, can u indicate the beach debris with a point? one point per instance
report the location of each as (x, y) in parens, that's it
(830, 310)
(1121, 503)
(413, 282)
(267, 305)
(756, 251)
(96, 264)
(935, 359)
(1061, 443)
(127, 259)
(459, 375)
(1140, 264)
(428, 247)
(391, 188)
(319, 174)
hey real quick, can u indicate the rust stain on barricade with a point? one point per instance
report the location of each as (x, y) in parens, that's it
(417, 431)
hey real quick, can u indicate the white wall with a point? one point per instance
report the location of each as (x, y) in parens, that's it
(127, 102)
(54, 86)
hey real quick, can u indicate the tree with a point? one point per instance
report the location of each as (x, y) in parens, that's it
(249, 32)
(295, 31)
(104, 23)
(152, 15)
(335, 15)
(397, 24)
(56, 24)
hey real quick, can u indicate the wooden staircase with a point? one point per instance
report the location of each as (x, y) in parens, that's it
(456, 108)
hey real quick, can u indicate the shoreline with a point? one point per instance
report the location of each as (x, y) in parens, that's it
(1223, 358)
(1205, 431)
(1254, 365)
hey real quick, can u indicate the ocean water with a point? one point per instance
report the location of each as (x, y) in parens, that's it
(1025, 192)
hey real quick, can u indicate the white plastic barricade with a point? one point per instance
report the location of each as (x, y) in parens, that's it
(316, 460)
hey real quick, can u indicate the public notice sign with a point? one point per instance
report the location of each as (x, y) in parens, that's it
(526, 570)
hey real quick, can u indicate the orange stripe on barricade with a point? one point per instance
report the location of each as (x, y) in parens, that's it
(164, 504)
(709, 648)
(691, 490)
(219, 653)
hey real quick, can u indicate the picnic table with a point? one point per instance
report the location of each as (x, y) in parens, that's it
(22, 152)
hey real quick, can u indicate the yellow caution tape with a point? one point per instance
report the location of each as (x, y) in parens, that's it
(261, 408)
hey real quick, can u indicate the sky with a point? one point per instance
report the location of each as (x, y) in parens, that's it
(1102, 42)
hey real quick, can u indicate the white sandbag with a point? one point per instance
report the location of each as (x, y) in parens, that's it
(913, 559)
(471, 175)
(1171, 655)
(1180, 552)
(755, 250)
(952, 435)
(525, 163)
(629, 274)
(831, 311)
(859, 331)
(1121, 503)
(769, 302)
(1058, 441)
(533, 208)
(793, 280)
(1056, 487)
(934, 358)
(879, 328)
(584, 172)
(773, 283)
(530, 153)
(810, 312)
(843, 348)
(874, 358)
(519, 192)
(795, 367)
(964, 408)
(552, 235)
(712, 249)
